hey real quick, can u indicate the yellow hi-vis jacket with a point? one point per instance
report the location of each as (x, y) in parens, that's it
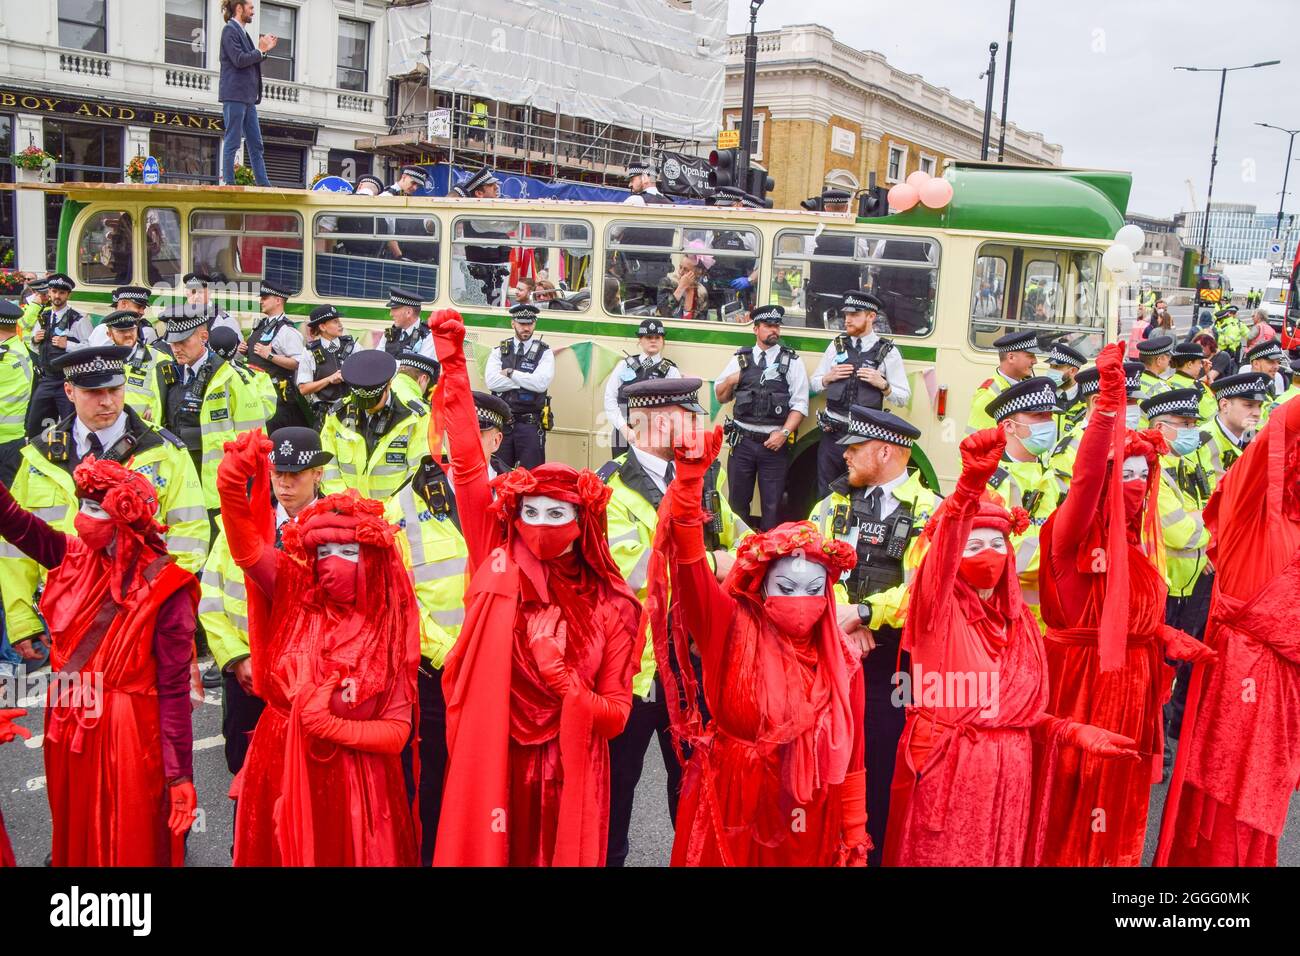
(223, 604)
(15, 388)
(1036, 487)
(1180, 502)
(380, 473)
(142, 387)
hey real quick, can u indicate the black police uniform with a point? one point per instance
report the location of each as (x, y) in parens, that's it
(764, 404)
(727, 269)
(290, 409)
(641, 271)
(525, 444)
(328, 361)
(827, 279)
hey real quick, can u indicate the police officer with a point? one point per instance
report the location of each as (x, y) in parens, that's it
(198, 289)
(1188, 364)
(770, 388)
(297, 464)
(37, 300)
(416, 376)
(1026, 412)
(1017, 355)
(826, 277)
(127, 298)
(641, 182)
(377, 440)
(1241, 401)
(520, 371)
(275, 347)
(1230, 331)
(101, 424)
(658, 411)
(1155, 355)
(482, 185)
(320, 373)
(857, 368)
(1267, 357)
(15, 390)
(122, 327)
(206, 401)
(61, 329)
(433, 548)
(649, 363)
(409, 181)
(1063, 364)
(1292, 390)
(407, 333)
(879, 509)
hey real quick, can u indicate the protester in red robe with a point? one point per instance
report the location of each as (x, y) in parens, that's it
(1240, 763)
(8, 731)
(121, 615)
(776, 777)
(964, 783)
(334, 641)
(540, 677)
(1103, 600)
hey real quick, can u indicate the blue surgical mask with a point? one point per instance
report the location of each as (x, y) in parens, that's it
(1055, 375)
(1186, 442)
(1041, 438)
(1132, 416)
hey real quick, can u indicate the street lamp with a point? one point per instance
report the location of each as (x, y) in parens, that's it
(1006, 81)
(747, 104)
(1214, 154)
(1286, 171)
(991, 73)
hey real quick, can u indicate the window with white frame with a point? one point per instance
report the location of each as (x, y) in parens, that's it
(897, 168)
(282, 22)
(81, 25)
(927, 164)
(184, 26)
(354, 55)
(755, 133)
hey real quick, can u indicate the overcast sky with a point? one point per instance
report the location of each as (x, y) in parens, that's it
(1098, 79)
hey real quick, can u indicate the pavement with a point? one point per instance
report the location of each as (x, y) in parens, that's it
(27, 818)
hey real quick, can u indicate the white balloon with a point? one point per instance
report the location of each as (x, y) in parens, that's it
(1131, 236)
(1118, 259)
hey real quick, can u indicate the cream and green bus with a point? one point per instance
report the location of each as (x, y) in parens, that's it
(1017, 248)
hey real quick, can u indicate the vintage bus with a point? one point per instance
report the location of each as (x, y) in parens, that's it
(1017, 248)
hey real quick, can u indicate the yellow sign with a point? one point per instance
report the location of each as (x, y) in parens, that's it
(729, 139)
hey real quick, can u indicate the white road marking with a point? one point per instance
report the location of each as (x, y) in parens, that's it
(207, 743)
(35, 741)
(36, 783)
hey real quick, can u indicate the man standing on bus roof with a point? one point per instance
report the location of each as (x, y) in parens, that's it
(275, 347)
(1017, 354)
(770, 388)
(407, 333)
(641, 182)
(520, 371)
(482, 185)
(409, 181)
(858, 368)
(650, 363)
(61, 329)
(240, 90)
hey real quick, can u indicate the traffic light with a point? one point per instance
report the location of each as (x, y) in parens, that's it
(724, 168)
(760, 184)
(873, 202)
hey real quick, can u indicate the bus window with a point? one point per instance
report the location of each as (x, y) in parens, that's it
(248, 247)
(1020, 287)
(162, 246)
(362, 257)
(692, 272)
(501, 262)
(812, 269)
(105, 253)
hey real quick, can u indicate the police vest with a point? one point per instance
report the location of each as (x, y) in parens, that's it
(642, 370)
(656, 199)
(264, 333)
(882, 543)
(727, 268)
(354, 225)
(183, 403)
(328, 361)
(1029, 498)
(140, 392)
(377, 424)
(398, 340)
(850, 391)
(15, 388)
(1193, 482)
(520, 400)
(759, 401)
(47, 351)
(633, 476)
(833, 277)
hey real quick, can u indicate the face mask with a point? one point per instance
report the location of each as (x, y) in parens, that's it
(795, 616)
(1187, 441)
(338, 577)
(1041, 437)
(983, 570)
(1132, 416)
(98, 533)
(1055, 375)
(1135, 493)
(547, 541)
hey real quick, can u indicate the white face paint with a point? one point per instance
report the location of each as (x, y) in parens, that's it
(91, 508)
(348, 552)
(981, 539)
(794, 576)
(1136, 468)
(539, 509)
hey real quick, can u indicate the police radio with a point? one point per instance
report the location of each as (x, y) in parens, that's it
(896, 545)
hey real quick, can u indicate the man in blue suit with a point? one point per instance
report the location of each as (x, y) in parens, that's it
(240, 90)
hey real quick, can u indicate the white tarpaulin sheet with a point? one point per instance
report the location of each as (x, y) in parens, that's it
(639, 64)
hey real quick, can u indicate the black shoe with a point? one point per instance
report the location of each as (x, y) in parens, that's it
(212, 678)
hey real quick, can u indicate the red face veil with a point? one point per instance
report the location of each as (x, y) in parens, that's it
(130, 503)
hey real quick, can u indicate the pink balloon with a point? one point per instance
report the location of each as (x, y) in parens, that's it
(903, 197)
(936, 193)
(918, 179)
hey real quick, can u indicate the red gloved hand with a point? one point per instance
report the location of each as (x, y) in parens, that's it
(1099, 741)
(1181, 646)
(246, 454)
(448, 330)
(1111, 392)
(183, 801)
(980, 454)
(547, 636)
(692, 458)
(8, 729)
(853, 818)
(374, 736)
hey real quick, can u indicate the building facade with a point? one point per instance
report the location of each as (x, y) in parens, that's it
(1239, 234)
(1162, 257)
(826, 114)
(98, 82)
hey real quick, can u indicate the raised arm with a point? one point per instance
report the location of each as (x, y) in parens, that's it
(245, 471)
(469, 476)
(30, 534)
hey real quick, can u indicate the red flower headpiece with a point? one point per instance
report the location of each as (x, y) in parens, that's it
(553, 480)
(129, 497)
(991, 514)
(338, 519)
(801, 538)
(1149, 444)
